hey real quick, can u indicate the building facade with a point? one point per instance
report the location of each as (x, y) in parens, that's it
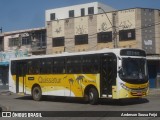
(32, 40)
(128, 28)
(133, 28)
(21, 43)
(87, 27)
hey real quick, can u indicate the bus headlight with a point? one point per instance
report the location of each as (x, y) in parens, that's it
(125, 87)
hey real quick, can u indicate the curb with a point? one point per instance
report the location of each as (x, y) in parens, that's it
(154, 91)
(5, 92)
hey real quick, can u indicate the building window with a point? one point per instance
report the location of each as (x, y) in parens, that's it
(82, 12)
(40, 38)
(91, 10)
(26, 41)
(13, 42)
(71, 13)
(81, 39)
(52, 16)
(127, 35)
(59, 41)
(104, 37)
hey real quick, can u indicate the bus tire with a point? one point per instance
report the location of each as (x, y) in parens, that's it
(93, 96)
(37, 93)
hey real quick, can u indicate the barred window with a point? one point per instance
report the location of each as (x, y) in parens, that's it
(59, 41)
(81, 39)
(104, 37)
(127, 35)
(13, 42)
(52, 16)
(91, 10)
(71, 13)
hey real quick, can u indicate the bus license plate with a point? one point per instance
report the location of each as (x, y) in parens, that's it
(139, 93)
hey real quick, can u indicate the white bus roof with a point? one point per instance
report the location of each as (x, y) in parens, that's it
(106, 50)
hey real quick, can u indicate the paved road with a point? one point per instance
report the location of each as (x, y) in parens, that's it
(16, 102)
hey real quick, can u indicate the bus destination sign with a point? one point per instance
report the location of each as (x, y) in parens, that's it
(132, 52)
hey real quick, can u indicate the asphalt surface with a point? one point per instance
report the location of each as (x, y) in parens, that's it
(15, 102)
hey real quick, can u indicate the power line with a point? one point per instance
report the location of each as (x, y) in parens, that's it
(150, 25)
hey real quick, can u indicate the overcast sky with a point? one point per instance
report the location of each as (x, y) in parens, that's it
(26, 14)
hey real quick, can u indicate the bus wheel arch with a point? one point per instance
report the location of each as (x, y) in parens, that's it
(91, 94)
(36, 92)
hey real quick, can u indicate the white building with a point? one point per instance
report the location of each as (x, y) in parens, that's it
(76, 11)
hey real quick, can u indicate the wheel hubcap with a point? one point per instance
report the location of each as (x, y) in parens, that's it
(90, 95)
(36, 93)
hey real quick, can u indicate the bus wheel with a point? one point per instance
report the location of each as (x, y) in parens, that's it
(37, 93)
(93, 96)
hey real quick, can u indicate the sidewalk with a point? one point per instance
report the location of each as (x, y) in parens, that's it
(154, 91)
(4, 90)
(4, 87)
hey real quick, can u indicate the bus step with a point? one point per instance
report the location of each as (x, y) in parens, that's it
(21, 94)
(106, 96)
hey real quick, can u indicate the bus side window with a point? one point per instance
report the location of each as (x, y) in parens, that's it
(73, 64)
(34, 67)
(30, 68)
(90, 64)
(46, 66)
(59, 65)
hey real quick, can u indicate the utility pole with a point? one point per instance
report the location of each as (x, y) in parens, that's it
(113, 24)
(114, 33)
(19, 41)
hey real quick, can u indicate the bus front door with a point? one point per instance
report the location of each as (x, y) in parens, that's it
(108, 74)
(21, 77)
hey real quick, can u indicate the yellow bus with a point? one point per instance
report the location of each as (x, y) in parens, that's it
(108, 73)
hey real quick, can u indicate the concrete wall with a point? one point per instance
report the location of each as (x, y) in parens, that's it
(49, 37)
(148, 32)
(92, 30)
(69, 36)
(126, 21)
(157, 31)
(37, 37)
(131, 19)
(9, 48)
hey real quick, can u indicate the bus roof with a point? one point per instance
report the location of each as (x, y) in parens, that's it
(105, 50)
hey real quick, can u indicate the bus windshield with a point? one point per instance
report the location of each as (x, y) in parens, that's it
(133, 70)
